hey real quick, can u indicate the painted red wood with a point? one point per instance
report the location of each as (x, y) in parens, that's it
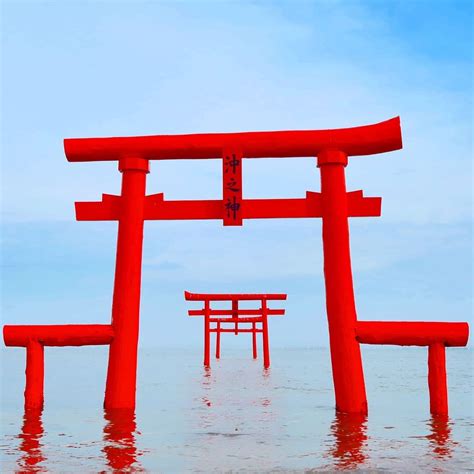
(249, 330)
(156, 208)
(58, 335)
(365, 140)
(218, 340)
(280, 312)
(230, 312)
(122, 368)
(35, 337)
(265, 339)
(233, 296)
(348, 375)
(254, 340)
(233, 316)
(207, 338)
(437, 380)
(34, 387)
(412, 333)
(333, 204)
(436, 335)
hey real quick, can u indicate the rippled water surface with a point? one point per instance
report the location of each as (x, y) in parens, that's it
(236, 416)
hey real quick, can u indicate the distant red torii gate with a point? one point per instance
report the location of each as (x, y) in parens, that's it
(236, 316)
(333, 204)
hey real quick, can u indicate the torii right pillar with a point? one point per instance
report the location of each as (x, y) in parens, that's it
(348, 374)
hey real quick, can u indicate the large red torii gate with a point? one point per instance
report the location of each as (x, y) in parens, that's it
(333, 204)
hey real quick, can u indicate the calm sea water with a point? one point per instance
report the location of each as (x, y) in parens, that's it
(236, 417)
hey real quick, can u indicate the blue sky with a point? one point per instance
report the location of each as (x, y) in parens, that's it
(73, 69)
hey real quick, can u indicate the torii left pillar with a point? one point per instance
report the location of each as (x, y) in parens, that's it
(122, 370)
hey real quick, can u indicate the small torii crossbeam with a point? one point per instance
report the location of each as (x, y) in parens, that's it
(257, 319)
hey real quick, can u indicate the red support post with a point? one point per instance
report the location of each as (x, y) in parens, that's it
(235, 314)
(254, 341)
(207, 335)
(34, 375)
(346, 359)
(122, 368)
(218, 340)
(437, 379)
(266, 346)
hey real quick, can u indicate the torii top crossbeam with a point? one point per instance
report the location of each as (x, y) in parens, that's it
(365, 140)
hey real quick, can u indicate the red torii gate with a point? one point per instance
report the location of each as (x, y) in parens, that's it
(332, 147)
(222, 317)
(333, 204)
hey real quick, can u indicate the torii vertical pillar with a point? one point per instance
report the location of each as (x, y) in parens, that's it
(34, 388)
(346, 359)
(437, 379)
(122, 370)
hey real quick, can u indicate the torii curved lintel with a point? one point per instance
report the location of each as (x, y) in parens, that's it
(364, 140)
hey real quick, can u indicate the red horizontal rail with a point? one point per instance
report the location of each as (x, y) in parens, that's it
(156, 208)
(235, 330)
(365, 140)
(235, 320)
(412, 333)
(232, 297)
(230, 312)
(203, 209)
(58, 335)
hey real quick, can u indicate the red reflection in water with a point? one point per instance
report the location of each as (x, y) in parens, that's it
(31, 433)
(350, 438)
(119, 436)
(440, 436)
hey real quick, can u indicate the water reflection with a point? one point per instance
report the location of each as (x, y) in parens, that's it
(119, 437)
(350, 440)
(233, 420)
(30, 446)
(440, 436)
